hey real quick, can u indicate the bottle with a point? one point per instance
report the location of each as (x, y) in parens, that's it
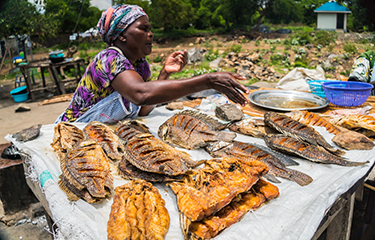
(22, 55)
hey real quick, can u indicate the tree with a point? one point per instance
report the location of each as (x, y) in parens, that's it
(284, 11)
(171, 14)
(20, 17)
(144, 4)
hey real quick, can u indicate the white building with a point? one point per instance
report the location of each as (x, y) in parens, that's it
(332, 16)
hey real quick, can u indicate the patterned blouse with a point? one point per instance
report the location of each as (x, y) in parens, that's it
(95, 84)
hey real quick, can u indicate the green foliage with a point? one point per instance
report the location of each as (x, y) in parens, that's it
(157, 59)
(324, 38)
(257, 42)
(18, 17)
(212, 55)
(235, 48)
(284, 11)
(171, 14)
(350, 48)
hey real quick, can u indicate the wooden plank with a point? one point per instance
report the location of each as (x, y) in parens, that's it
(63, 98)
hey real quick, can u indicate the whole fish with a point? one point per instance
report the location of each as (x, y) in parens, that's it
(306, 150)
(287, 161)
(150, 154)
(313, 119)
(248, 152)
(192, 130)
(293, 128)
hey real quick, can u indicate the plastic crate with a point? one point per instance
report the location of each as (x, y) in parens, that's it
(347, 94)
(317, 88)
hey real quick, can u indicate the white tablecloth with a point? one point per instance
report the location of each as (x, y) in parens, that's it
(295, 214)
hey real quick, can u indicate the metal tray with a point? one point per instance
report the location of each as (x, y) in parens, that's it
(284, 100)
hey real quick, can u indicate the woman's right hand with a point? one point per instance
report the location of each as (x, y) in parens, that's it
(226, 83)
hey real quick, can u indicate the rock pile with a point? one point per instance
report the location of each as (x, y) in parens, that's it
(246, 65)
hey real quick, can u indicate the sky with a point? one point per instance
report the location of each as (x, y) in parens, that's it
(101, 4)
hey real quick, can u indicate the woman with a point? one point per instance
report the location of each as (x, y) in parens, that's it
(362, 70)
(116, 83)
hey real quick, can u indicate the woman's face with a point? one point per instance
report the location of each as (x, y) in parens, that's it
(139, 38)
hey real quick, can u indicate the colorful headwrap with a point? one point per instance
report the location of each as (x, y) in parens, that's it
(116, 19)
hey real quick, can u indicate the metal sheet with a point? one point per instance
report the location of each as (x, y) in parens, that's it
(283, 100)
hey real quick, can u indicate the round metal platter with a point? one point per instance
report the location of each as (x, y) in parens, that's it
(284, 100)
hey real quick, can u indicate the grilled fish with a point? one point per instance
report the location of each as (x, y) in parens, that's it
(293, 128)
(364, 124)
(284, 159)
(207, 190)
(130, 172)
(313, 119)
(306, 150)
(211, 226)
(106, 138)
(150, 154)
(248, 153)
(66, 137)
(137, 212)
(86, 173)
(192, 130)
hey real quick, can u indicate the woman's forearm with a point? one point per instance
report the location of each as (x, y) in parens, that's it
(162, 91)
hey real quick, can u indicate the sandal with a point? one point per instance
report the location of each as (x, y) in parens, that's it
(11, 152)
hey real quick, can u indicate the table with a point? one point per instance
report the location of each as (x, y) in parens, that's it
(298, 213)
(54, 69)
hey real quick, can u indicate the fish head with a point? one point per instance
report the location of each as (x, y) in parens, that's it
(163, 132)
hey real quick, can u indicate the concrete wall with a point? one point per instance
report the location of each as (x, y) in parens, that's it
(327, 21)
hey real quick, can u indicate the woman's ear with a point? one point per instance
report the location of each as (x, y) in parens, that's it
(122, 38)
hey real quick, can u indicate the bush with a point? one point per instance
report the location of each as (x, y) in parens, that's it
(324, 38)
(235, 48)
(350, 48)
(157, 59)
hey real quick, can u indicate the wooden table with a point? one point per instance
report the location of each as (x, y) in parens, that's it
(54, 69)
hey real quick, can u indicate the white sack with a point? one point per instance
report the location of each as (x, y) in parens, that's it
(298, 77)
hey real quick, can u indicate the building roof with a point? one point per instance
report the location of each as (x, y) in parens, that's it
(332, 7)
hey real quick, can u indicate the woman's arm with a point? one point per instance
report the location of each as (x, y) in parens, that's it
(130, 85)
(174, 63)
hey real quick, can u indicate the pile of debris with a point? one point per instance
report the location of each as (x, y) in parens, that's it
(246, 65)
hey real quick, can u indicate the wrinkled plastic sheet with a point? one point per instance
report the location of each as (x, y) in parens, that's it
(295, 214)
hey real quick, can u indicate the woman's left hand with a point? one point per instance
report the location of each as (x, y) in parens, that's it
(176, 62)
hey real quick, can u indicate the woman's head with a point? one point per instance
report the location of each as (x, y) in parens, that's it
(116, 19)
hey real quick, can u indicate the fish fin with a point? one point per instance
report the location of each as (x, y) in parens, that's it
(271, 178)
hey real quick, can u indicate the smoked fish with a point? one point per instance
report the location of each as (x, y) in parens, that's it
(248, 153)
(313, 119)
(192, 130)
(261, 193)
(207, 190)
(86, 173)
(293, 128)
(150, 154)
(138, 212)
(314, 153)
